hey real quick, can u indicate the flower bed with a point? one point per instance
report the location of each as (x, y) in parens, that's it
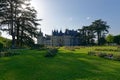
(114, 50)
(105, 55)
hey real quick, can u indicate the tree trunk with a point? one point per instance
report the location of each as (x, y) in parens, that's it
(21, 39)
(99, 36)
(12, 31)
(18, 35)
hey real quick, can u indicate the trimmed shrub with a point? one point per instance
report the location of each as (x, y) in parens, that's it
(51, 52)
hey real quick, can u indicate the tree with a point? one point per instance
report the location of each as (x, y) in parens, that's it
(1, 46)
(21, 22)
(102, 40)
(90, 35)
(86, 35)
(110, 38)
(0, 33)
(100, 28)
(117, 39)
(28, 25)
(10, 9)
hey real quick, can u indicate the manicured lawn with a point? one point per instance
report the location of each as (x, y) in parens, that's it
(67, 65)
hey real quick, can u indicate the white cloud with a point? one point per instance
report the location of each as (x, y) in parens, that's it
(88, 18)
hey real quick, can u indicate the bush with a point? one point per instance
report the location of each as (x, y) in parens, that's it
(114, 50)
(51, 52)
(8, 53)
(102, 55)
(91, 53)
(118, 48)
(37, 46)
(117, 57)
(77, 47)
(105, 55)
(1, 47)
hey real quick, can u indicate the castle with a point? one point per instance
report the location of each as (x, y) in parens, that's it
(58, 38)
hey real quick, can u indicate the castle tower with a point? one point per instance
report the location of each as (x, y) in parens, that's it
(40, 38)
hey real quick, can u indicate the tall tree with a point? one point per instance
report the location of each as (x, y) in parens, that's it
(86, 35)
(100, 28)
(17, 20)
(28, 25)
(10, 9)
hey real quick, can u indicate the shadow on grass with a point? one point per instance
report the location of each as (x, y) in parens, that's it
(64, 66)
(84, 67)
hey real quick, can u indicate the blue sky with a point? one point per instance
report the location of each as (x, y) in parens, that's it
(73, 14)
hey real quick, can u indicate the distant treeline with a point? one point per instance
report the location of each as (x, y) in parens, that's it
(111, 39)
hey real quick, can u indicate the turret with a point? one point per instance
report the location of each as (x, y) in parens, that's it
(61, 33)
(40, 33)
(40, 39)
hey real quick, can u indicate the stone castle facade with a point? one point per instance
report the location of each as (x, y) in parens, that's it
(58, 38)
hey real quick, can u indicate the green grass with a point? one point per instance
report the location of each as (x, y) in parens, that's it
(67, 65)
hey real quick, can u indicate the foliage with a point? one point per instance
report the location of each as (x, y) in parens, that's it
(0, 34)
(91, 53)
(112, 50)
(110, 38)
(101, 54)
(105, 55)
(6, 42)
(117, 39)
(8, 53)
(1, 46)
(87, 34)
(51, 52)
(102, 40)
(117, 57)
(38, 46)
(71, 48)
(101, 28)
(118, 48)
(18, 21)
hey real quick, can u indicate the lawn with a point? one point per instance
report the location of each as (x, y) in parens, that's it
(66, 65)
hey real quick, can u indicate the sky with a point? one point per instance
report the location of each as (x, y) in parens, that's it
(73, 14)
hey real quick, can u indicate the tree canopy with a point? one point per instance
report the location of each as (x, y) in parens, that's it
(98, 29)
(110, 38)
(20, 22)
